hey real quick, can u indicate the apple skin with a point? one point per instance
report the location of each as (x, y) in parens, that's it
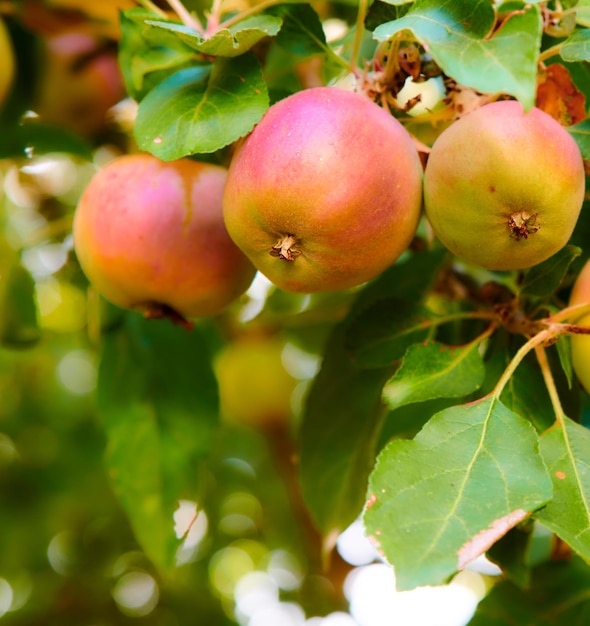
(7, 66)
(503, 188)
(80, 82)
(339, 174)
(254, 387)
(580, 294)
(150, 234)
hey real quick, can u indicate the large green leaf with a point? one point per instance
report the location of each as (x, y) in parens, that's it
(566, 451)
(458, 36)
(157, 396)
(581, 133)
(202, 109)
(226, 42)
(381, 334)
(344, 411)
(434, 370)
(440, 500)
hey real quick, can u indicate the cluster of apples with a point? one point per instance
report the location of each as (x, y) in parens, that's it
(324, 194)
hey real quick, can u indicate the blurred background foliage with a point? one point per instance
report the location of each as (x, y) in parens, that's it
(69, 549)
(96, 436)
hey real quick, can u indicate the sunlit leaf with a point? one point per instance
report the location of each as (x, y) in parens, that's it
(202, 109)
(434, 370)
(227, 42)
(470, 474)
(566, 452)
(577, 46)
(457, 35)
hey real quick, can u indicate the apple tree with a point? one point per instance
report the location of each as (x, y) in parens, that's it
(404, 341)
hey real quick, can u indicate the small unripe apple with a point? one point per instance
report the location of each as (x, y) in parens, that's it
(81, 80)
(6, 62)
(150, 236)
(580, 294)
(325, 193)
(503, 188)
(255, 389)
(426, 95)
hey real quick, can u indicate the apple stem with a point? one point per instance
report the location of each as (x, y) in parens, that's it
(158, 311)
(284, 248)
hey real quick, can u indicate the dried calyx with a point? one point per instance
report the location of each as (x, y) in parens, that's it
(285, 248)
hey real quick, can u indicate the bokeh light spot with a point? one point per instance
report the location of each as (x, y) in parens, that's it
(136, 594)
(77, 372)
(227, 567)
(6, 597)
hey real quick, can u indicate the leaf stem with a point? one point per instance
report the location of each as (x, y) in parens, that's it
(358, 35)
(214, 16)
(547, 54)
(192, 21)
(550, 383)
(577, 310)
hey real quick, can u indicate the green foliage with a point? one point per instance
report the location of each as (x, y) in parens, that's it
(444, 411)
(453, 31)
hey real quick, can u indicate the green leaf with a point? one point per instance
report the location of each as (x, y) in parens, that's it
(343, 413)
(566, 452)
(576, 47)
(457, 35)
(226, 42)
(543, 279)
(581, 133)
(435, 370)
(382, 333)
(564, 351)
(147, 55)
(202, 109)
(583, 13)
(558, 594)
(18, 310)
(526, 395)
(382, 11)
(440, 500)
(302, 32)
(157, 396)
